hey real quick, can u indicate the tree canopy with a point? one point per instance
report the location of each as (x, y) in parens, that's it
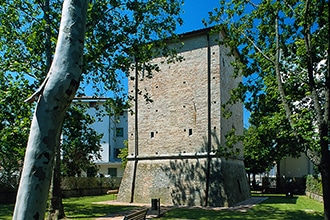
(117, 31)
(80, 145)
(15, 118)
(284, 47)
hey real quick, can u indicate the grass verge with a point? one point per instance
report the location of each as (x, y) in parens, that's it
(275, 207)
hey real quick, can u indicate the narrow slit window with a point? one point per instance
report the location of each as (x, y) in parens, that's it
(190, 131)
(239, 186)
(152, 134)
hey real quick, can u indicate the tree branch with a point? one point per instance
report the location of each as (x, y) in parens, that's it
(258, 49)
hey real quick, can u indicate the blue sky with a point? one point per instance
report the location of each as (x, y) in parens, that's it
(194, 12)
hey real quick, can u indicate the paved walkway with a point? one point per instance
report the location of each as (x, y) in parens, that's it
(242, 207)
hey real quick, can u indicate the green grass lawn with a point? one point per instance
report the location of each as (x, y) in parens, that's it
(275, 207)
(78, 208)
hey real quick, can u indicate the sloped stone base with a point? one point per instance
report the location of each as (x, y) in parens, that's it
(182, 181)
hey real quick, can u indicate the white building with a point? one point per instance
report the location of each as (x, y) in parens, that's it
(114, 130)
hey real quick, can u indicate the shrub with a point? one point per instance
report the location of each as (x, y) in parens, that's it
(314, 184)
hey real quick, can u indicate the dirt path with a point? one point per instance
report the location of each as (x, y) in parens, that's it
(242, 207)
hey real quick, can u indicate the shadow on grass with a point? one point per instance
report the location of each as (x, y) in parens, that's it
(263, 213)
(269, 212)
(278, 199)
(6, 211)
(275, 207)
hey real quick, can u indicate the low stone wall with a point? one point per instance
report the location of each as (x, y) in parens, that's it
(84, 192)
(314, 196)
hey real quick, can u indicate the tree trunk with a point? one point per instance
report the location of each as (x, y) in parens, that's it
(55, 96)
(325, 172)
(56, 210)
(325, 142)
(278, 177)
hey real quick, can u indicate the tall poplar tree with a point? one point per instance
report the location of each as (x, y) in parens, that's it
(286, 42)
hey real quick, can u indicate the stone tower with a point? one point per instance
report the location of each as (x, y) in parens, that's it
(172, 140)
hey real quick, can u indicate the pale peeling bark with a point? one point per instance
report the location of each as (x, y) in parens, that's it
(55, 96)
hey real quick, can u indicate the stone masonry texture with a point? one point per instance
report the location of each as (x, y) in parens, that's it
(180, 130)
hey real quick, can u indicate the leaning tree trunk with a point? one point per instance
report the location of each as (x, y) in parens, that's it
(55, 96)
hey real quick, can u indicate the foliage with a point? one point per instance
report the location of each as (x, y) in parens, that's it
(15, 117)
(123, 154)
(284, 49)
(314, 184)
(80, 145)
(115, 35)
(117, 31)
(266, 143)
(259, 156)
(278, 87)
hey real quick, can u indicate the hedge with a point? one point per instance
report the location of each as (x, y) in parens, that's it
(314, 185)
(72, 183)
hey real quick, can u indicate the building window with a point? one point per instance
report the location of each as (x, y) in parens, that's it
(119, 132)
(117, 152)
(92, 104)
(112, 172)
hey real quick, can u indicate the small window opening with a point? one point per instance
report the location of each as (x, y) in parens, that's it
(190, 131)
(239, 186)
(152, 134)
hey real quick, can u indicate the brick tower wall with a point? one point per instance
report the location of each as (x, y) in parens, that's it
(173, 131)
